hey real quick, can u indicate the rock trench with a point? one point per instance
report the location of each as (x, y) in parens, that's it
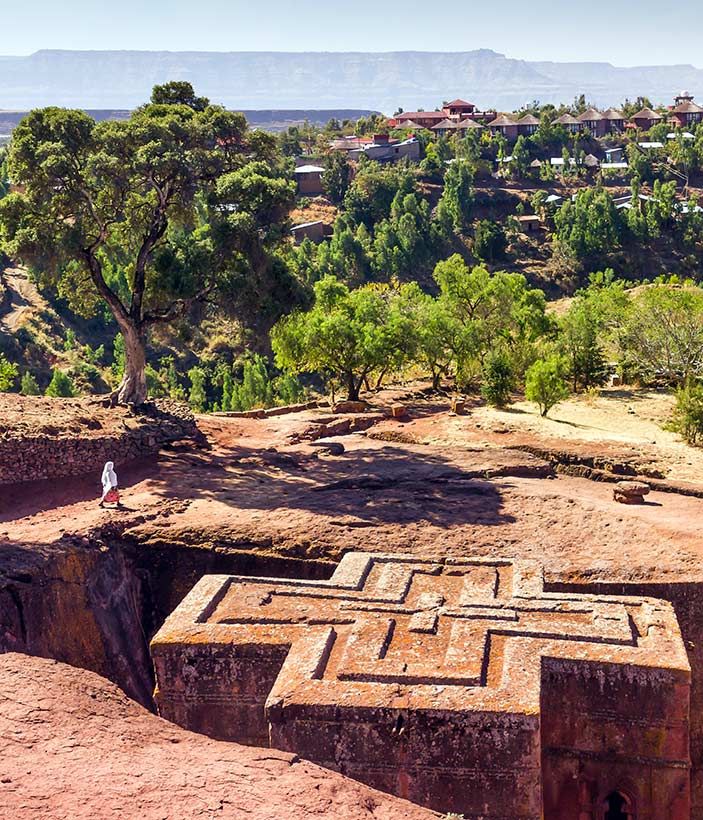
(95, 601)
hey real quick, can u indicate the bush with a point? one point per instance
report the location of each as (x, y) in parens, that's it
(29, 386)
(8, 374)
(498, 379)
(60, 385)
(196, 396)
(545, 384)
(687, 419)
(489, 241)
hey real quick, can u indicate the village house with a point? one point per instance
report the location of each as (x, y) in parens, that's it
(527, 125)
(314, 231)
(685, 112)
(615, 120)
(309, 180)
(645, 119)
(448, 127)
(569, 122)
(504, 125)
(594, 122)
(349, 143)
(614, 154)
(529, 223)
(384, 149)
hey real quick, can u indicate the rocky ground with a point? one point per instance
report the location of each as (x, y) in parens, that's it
(432, 483)
(74, 746)
(287, 494)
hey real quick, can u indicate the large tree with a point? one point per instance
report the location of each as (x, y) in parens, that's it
(347, 334)
(151, 215)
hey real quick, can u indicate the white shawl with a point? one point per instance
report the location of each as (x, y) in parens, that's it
(109, 478)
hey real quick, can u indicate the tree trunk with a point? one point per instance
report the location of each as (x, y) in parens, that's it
(132, 389)
(352, 388)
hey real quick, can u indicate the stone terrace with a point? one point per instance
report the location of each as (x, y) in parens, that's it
(459, 684)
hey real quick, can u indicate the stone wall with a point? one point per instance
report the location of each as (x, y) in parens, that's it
(28, 456)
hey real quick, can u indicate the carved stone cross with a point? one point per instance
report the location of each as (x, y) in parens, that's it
(430, 679)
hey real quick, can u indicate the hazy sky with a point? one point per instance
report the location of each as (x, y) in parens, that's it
(624, 32)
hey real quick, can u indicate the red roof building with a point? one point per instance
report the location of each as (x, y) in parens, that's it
(456, 110)
(686, 113)
(569, 122)
(646, 119)
(504, 125)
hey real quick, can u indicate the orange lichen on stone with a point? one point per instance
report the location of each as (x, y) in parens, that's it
(459, 684)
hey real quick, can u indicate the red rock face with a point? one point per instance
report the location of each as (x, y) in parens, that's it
(459, 684)
(72, 745)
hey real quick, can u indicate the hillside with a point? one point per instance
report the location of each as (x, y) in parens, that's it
(122, 79)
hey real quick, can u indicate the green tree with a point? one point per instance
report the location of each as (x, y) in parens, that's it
(28, 385)
(663, 333)
(336, 177)
(489, 241)
(590, 224)
(498, 378)
(687, 418)
(227, 389)
(581, 346)
(431, 166)
(545, 384)
(181, 200)
(255, 388)
(169, 375)
(487, 311)
(520, 163)
(346, 335)
(197, 396)
(8, 374)
(60, 385)
(178, 92)
(456, 203)
(438, 335)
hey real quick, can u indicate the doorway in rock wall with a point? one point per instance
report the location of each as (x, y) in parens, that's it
(617, 806)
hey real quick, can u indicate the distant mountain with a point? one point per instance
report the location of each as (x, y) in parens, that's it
(282, 80)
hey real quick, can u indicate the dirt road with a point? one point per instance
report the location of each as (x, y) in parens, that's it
(23, 297)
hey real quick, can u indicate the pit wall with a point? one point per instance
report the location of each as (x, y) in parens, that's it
(687, 600)
(41, 457)
(96, 602)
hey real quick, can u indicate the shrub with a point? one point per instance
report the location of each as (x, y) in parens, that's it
(197, 397)
(545, 384)
(498, 379)
(60, 385)
(29, 386)
(8, 374)
(687, 419)
(489, 241)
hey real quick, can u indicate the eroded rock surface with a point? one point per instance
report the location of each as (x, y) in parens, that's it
(74, 746)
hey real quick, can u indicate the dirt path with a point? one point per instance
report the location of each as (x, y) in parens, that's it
(23, 297)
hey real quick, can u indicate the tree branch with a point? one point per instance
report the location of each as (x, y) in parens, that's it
(113, 300)
(176, 309)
